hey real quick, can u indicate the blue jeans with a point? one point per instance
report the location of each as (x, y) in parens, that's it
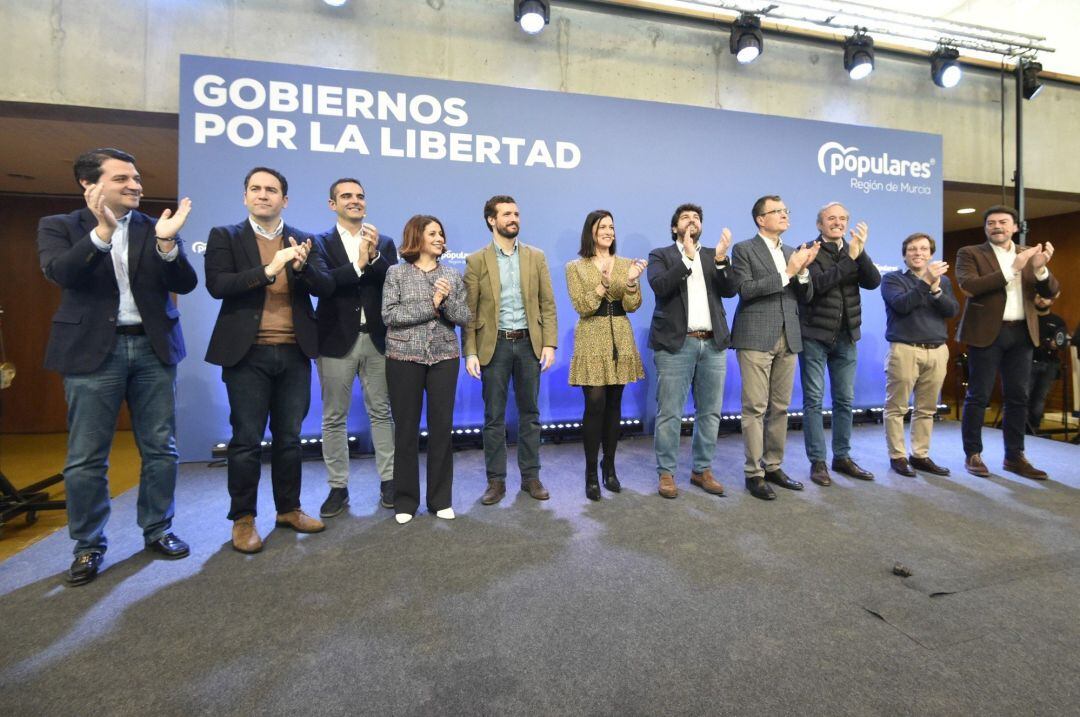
(704, 367)
(839, 357)
(132, 372)
(269, 382)
(513, 358)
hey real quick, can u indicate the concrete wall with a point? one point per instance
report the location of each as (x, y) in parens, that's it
(125, 54)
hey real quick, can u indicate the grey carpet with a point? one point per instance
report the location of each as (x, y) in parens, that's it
(635, 605)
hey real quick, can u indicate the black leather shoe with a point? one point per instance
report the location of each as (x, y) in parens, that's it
(337, 501)
(782, 479)
(759, 488)
(901, 466)
(850, 468)
(611, 481)
(820, 474)
(592, 487)
(170, 546)
(84, 568)
(387, 494)
(927, 466)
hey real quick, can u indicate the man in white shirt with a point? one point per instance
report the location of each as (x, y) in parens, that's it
(1001, 328)
(771, 279)
(689, 338)
(352, 341)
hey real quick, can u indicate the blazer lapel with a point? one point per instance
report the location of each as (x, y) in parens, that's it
(525, 266)
(493, 274)
(763, 253)
(336, 248)
(249, 245)
(138, 239)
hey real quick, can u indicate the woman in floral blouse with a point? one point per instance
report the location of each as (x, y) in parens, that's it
(422, 302)
(603, 288)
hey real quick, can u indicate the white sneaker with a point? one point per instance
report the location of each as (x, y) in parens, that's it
(445, 514)
(402, 518)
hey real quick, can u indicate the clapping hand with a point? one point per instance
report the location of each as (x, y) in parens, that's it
(95, 202)
(859, 235)
(301, 253)
(1039, 260)
(723, 245)
(637, 267)
(442, 290)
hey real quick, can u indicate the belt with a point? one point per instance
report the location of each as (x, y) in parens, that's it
(513, 335)
(610, 308)
(363, 328)
(1014, 322)
(921, 346)
(132, 330)
(700, 334)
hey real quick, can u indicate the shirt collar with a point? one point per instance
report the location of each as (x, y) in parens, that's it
(343, 232)
(697, 248)
(999, 250)
(259, 230)
(770, 243)
(499, 251)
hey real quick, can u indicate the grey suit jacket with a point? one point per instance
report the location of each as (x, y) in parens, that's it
(765, 307)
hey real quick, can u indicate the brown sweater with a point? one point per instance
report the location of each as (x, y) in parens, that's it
(276, 324)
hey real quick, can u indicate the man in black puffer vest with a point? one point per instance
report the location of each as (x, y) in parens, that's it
(830, 324)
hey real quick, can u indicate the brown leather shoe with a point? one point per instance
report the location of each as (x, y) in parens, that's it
(901, 466)
(536, 489)
(300, 521)
(1020, 466)
(667, 486)
(495, 491)
(850, 468)
(706, 482)
(975, 466)
(245, 538)
(819, 474)
(927, 466)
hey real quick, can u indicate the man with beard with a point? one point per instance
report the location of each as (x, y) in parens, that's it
(830, 328)
(689, 338)
(1001, 329)
(1046, 363)
(512, 334)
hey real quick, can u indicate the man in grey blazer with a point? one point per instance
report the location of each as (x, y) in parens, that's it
(772, 279)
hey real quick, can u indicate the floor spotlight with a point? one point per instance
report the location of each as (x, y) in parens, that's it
(532, 15)
(746, 40)
(945, 67)
(859, 55)
(1031, 86)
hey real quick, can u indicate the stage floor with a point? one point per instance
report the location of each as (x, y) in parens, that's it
(633, 605)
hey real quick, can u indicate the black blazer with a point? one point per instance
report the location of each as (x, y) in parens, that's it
(338, 314)
(84, 327)
(235, 274)
(667, 276)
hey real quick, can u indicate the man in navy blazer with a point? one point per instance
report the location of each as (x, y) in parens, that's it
(264, 340)
(352, 340)
(116, 337)
(772, 279)
(689, 338)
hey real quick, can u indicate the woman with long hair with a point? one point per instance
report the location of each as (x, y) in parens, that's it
(422, 303)
(603, 287)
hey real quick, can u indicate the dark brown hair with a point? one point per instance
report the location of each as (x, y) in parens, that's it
(588, 241)
(412, 236)
(913, 237)
(489, 208)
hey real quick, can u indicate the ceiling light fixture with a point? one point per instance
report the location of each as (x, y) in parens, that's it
(532, 15)
(945, 67)
(859, 54)
(746, 39)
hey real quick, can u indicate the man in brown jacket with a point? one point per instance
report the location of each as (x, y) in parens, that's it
(1001, 330)
(512, 333)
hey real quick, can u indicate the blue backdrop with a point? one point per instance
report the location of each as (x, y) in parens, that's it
(438, 147)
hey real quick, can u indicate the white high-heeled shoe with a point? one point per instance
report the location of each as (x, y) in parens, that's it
(403, 518)
(445, 514)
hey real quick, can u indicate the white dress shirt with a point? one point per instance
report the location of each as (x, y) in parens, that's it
(128, 313)
(1014, 288)
(698, 317)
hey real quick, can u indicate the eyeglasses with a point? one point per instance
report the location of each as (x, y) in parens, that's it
(785, 211)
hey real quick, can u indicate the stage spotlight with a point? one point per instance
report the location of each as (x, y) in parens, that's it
(532, 14)
(746, 40)
(859, 55)
(1031, 86)
(944, 67)
(335, 3)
